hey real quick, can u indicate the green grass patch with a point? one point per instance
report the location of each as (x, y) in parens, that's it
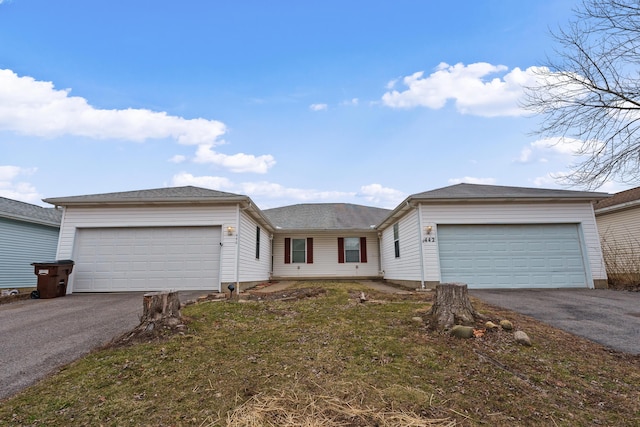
(331, 360)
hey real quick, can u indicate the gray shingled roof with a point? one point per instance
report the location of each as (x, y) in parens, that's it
(22, 211)
(483, 192)
(326, 216)
(167, 195)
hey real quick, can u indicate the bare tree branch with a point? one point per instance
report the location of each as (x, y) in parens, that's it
(590, 92)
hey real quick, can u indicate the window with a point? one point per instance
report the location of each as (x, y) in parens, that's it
(396, 239)
(298, 250)
(257, 242)
(352, 249)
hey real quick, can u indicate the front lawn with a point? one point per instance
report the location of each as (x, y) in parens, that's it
(327, 359)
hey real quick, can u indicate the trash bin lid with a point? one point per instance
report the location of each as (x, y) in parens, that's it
(57, 262)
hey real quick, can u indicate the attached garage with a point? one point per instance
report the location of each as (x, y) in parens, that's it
(177, 238)
(512, 256)
(147, 258)
(497, 237)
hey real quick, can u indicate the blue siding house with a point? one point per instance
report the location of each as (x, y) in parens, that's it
(28, 233)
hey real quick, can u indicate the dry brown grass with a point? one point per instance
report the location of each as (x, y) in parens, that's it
(326, 359)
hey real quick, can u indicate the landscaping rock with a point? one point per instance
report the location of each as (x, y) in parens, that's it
(461, 331)
(506, 325)
(491, 325)
(417, 319)
(522, 338)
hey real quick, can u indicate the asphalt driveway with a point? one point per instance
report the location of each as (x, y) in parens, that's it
(610, 318)
(39, 336)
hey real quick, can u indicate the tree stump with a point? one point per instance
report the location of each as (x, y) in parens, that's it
(452, 307)
(160, 308)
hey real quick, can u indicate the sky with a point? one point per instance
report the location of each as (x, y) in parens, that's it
(284, 101)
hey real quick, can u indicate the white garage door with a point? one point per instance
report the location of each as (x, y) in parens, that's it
(147, 259)
(512, 256)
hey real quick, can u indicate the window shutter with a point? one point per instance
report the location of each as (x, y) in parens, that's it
(309, 250)
(287, 250)
(341, 250)
(363, 249)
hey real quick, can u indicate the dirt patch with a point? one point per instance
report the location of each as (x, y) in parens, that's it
(284, 295)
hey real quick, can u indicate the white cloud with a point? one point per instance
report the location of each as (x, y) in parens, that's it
(36, 108)
(542, 149)
(381, 196)
(318, 107)
(18, 190)
(472, 180)
(178, 158)
(270, 194)
(212, 182)
(351, 102)
(470, 86)
(235, 163)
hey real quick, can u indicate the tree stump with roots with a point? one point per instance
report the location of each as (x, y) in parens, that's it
(160, 309)
(452, 307)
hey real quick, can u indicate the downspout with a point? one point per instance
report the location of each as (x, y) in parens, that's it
(419, 212)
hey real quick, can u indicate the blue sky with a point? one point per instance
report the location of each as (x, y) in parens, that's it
(287, 102)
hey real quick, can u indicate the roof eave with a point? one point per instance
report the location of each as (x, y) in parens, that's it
(618, 207)
(324, 230)
(29, 219)
(150, 201)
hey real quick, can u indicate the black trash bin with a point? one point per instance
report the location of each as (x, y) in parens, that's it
(53, 277)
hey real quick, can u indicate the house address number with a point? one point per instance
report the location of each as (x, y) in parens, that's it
(430, 239)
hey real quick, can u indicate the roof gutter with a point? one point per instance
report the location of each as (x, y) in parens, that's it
(618, 207)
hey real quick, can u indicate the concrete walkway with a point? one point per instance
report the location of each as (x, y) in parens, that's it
(610, 318)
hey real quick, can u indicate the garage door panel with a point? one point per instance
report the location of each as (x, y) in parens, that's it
(536, 255)
(147, 259)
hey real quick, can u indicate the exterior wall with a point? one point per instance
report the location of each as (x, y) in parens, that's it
(408, 266)
(159, 216)
(497, 213)
(253, 269)
(22, 244)
(620, 230)
(620, 239)
(325, 257)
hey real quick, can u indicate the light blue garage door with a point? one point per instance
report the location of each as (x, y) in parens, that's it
(512, 256)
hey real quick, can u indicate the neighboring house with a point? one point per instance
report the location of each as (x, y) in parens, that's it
(618, 219)
(326, 240)
(28, 233)
(194, 238)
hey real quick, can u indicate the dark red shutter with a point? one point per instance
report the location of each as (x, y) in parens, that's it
(309, 250)
(287, 250)
(363, 249)
(341, 250)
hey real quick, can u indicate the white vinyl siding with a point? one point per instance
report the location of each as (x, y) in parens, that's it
(253, 269)
(512, 256)
(147, 259)
(325, 257)
(407, 266)
(153, 216)
(22, 244)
